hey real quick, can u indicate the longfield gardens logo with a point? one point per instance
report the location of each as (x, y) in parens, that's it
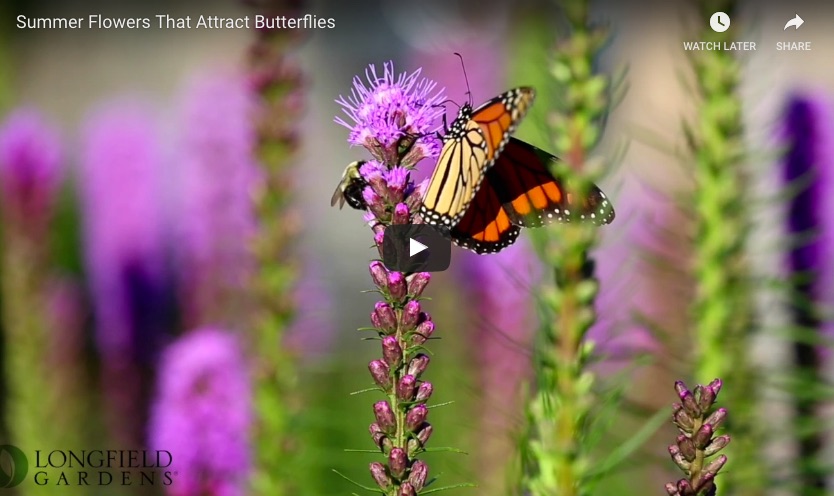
(85, 467)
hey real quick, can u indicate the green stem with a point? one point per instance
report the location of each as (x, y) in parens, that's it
(276, 397)
(722, 310)
(558, 458)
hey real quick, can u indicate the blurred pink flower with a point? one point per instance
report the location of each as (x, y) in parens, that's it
(120, 187)
(202, 414)
(30, 168)
(216, 180)
(503, 287)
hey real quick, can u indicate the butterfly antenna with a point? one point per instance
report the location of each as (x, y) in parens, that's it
(444, 102)
(465, 78)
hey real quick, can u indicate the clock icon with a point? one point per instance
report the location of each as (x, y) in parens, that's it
(719, 22)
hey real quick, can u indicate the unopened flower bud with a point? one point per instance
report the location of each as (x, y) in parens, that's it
(716, 386)
(380, 476)
(406, 388)
(717, 445)
(418, 283)
(397, 286)
(381, 374)
(703, 484)
(678, 458)
(418, 364)
(377, 434)
(685, 488)
(413, 447)
(384, 416)
(702, 438)
(418, 475)
(398, 462)
(392, 352)
(407, 489)
(687, 448)
(383, 317)
(410, 315)
(714, 466)
(415, 417)
(424, 392)
(401, 214)
(706, 398)
(690, 406)
(379, 274)
(682, 419)
(716, 418)
(425, 433)
(422, 333)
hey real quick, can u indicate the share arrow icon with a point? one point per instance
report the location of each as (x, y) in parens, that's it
(796, 21)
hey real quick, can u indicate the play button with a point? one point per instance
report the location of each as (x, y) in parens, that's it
(416, 248)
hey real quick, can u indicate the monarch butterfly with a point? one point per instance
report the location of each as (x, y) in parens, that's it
(487, 185)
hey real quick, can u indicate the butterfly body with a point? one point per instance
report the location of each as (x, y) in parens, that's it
(487, 185)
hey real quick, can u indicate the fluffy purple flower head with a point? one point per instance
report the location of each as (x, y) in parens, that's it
(202, 414)
(392, 109)
(30, 166)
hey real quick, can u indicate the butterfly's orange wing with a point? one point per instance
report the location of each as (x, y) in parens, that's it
(520, 191)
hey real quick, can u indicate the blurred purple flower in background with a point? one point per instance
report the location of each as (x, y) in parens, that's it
(312, 332)
(635, 285)
(808, 135)
(120, 187)
(30, 169)
(502, 287)
(216, 180)
(809, 158)
(202, 414)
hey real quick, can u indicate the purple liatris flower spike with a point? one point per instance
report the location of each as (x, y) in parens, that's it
(202, 414)
(391, 111)
(697, 420)
(392, 120)
(120, 183)
(218, 172)
(30, 169)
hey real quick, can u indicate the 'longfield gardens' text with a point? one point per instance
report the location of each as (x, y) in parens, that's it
(103, 468)
(165, 21)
